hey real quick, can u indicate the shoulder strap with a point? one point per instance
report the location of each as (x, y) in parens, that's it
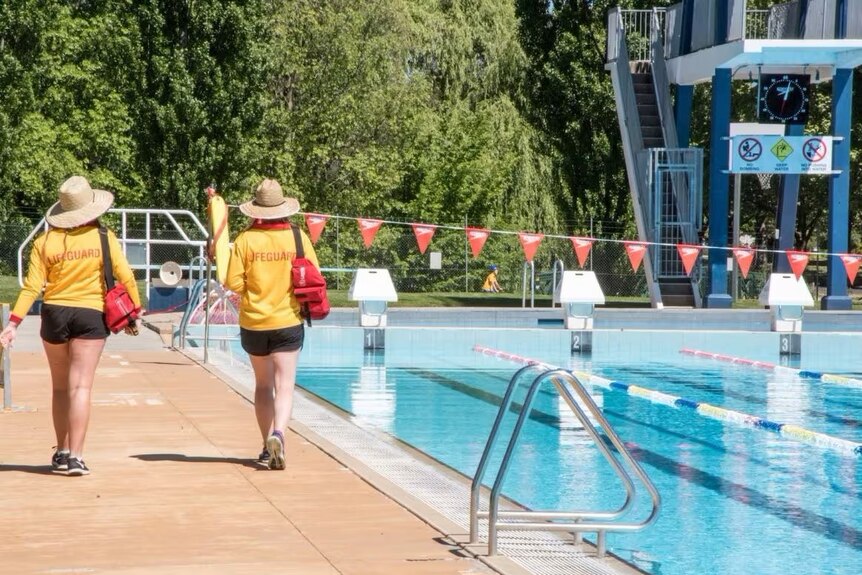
(297, 238)
(106, 258)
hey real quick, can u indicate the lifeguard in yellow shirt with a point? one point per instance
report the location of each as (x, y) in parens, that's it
(271, 329)
(66, 263)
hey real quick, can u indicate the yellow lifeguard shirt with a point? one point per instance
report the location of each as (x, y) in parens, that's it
(260, 268)
(67, 265)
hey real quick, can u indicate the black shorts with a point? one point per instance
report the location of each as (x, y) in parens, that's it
(268, 341)
(61, 323)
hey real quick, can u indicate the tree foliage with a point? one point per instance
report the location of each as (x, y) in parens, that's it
(493, 113)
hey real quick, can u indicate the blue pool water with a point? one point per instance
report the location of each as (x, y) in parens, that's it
(735, 499)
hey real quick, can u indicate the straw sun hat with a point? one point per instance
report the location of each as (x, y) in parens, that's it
(269, 202)
(79, 204)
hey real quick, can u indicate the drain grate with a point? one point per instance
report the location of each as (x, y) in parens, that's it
(537, 552)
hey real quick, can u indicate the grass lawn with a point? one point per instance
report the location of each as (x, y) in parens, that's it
(338, 298)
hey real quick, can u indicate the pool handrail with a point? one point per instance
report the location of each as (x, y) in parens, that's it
(6, 361)
(532, 266)
(558, 263)
(562, 380)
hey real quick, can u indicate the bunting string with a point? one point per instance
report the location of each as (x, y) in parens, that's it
(704, 247)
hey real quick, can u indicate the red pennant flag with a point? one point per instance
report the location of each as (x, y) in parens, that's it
(530, 243)
(851, 265)
(368, 229)
(636, 251)
(582, 248)
(477, 237)
(744, 257)
(688, 254)
(423, 233)
(315, 224)
(798, 261)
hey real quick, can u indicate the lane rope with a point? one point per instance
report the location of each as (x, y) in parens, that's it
(705, 409)
(803, 373)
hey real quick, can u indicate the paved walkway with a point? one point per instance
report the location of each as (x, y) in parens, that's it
(173, 490)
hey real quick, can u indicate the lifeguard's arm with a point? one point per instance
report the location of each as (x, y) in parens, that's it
(121, 268)
(33, 285)
(235, 280)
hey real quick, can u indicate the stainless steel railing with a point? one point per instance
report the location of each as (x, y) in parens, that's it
(576, 522)
(532, 283)
(558, 263)
(6, 362)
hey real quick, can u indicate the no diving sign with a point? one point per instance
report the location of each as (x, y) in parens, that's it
(775, 154)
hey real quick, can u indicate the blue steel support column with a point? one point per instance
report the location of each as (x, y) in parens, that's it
(788, 197)
(839, 191)
(682, 114)
(719, 184)
(720, 22)
(841, 18)
(687, 20)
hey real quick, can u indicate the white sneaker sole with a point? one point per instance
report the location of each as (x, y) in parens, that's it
(276, 452)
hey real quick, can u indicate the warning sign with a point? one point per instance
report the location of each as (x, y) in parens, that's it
(814, 149)
(781, 149)
(784, 154)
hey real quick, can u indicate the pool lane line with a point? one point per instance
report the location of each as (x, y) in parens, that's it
(803, 373)
(705, 409)
(757, 401)
(782, 509)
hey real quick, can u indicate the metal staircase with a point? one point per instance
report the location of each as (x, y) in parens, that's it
(664, 180)
(648, 112)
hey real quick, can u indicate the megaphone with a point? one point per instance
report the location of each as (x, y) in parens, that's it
(170, 273)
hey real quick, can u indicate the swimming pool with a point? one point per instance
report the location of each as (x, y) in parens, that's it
(735, 498)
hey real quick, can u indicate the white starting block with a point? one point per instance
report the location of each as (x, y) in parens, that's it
(786, 296)
(578, 293)
(373, 289)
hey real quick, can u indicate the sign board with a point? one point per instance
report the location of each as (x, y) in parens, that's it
(776, 154)
(435, 261)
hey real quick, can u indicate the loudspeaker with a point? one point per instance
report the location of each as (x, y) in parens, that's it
(170, 273)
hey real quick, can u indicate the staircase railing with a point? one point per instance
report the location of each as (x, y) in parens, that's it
(578, 522)
(631, 129)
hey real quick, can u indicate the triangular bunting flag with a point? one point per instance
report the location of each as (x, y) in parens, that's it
(368, 229)
(530, 243)
(851, 265)
(636, 251)
(477, 237)
(423, 233)
(582, 248)
(315, 224)
(744, 257)
(798, 261)
(688, 254)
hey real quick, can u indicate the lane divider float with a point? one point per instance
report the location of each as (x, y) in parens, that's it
(803, 373)
(705, 409)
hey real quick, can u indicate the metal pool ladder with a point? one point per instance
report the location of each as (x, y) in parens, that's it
(576, 522)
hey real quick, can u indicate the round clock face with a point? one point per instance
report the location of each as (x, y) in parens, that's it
(784, 99)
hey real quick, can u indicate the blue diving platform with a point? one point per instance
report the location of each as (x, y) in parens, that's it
(719, 42)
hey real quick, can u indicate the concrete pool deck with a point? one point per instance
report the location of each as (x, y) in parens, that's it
(173, 489)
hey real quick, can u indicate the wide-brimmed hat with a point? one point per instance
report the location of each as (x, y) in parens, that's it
(269, 202)
(79, 204)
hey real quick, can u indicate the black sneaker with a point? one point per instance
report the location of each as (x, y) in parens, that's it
(77, 466)
(60, 461)
(263, 458)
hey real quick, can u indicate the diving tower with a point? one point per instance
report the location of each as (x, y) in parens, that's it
(789, 45)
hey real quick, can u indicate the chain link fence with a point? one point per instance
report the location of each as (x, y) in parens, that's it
(340, 250)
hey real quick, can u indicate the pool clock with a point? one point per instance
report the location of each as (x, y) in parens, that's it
(783, 98)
